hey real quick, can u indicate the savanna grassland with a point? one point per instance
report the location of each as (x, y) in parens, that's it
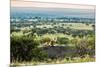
(50, 43)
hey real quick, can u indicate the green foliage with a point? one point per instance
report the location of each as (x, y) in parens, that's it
(62, 40)
(91, 45)
(74, 41)
(39, 54)
(22, 47)
(91, 42)
(49, 39)
(81, 47)
(46, 39)
(26, 44)
(86, 46)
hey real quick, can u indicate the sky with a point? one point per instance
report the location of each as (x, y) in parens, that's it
(20, 7)
(25, 3)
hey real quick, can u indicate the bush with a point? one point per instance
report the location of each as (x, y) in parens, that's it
(91, 42)
(86, 46)
(74, 41)
(81, 47)
(91, 45)
(39, 55)
(62, 40)
(49, 40)
(22, 48)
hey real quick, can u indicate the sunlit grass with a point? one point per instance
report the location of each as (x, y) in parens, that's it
(56, 61)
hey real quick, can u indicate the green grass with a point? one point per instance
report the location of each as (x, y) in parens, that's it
(55, 61)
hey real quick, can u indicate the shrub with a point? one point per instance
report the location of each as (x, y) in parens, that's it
(39, 55)
(86, 46)
(74, 41)
(81, 47)
(49, 40)
(22, 48)
(91, 42)
(62, 40)
(91, 45)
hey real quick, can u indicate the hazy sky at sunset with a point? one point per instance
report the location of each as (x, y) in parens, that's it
(22, 3)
